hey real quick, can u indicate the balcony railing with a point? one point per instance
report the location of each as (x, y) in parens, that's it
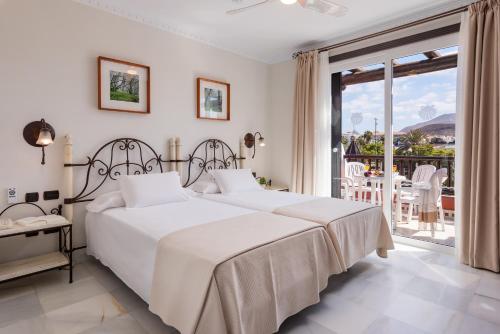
(407, 164)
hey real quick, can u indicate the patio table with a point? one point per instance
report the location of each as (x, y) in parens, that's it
(376, 182)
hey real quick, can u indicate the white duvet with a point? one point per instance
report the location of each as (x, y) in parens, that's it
(125, 240)
(260, 200)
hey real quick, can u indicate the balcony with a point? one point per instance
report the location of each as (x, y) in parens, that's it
(406, 166)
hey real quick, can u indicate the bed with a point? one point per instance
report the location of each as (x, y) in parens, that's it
(356, 228)
(203, 266)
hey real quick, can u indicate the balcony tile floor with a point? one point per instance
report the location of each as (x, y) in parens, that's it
(413, 291)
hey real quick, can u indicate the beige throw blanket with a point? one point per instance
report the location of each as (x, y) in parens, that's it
(245, 274)
(355, 228)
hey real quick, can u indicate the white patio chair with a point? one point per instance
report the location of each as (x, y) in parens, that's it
(408, 192)
(413, 199)
(355, 173)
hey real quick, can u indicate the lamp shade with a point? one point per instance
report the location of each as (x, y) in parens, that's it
(44, 137)
(262, 143)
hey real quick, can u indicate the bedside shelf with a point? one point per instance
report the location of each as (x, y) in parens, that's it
(41, 263)
(20, 229)
(28, 266)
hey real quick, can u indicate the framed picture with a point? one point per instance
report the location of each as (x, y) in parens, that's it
(213, 99)
(123, 86)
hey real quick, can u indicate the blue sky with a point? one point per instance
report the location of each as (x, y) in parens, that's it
(410, 94)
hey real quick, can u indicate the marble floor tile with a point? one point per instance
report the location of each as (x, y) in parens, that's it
(36, 325)
(392, 277)
(12, 292)
(456, 298)
(424, 315)
(123, 324)
(375, 296)
(489, 287)
(21, 308)
(56, 296)
(128, 299)
(485, 308)
(454, 277)
(386, 325)
(300, 325)
(474, 325)
(104, 275)
(342, 316)
(426, 289)
(151, 322)
(58, 278)
(89, 313)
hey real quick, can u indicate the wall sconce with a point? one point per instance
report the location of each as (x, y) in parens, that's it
(250, 141)
(39, 134)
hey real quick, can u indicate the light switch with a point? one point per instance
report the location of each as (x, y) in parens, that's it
(12, 195)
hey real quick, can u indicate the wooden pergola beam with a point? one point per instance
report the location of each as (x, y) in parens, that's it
(403, 70)
(431, 54)
(356, 70)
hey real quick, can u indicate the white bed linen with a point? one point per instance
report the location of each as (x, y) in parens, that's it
(125, 240)
(259, 200)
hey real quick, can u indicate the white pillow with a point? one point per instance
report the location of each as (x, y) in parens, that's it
(235, 180)
(105, 201)
(152, 189)
(205, 187)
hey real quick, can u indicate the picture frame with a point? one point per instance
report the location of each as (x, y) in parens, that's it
(123, 86)
(213, 100)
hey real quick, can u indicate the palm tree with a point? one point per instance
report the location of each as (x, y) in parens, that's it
(414, 137)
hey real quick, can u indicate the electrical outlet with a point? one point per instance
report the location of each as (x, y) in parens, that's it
(12, 195)
(32, 197)
(50, 195)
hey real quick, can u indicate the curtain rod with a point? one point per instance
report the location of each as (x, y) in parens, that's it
(390, 30)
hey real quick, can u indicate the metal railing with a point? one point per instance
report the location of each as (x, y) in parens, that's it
(407, 164)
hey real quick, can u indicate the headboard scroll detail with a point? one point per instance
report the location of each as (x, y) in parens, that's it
(209, 155)
(119, 156)
(131, 156)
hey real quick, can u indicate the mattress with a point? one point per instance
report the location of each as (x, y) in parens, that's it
(125, 240)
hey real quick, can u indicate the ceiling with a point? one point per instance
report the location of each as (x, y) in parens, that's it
(269, 33)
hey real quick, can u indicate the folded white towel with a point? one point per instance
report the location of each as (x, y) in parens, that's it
(42, 220)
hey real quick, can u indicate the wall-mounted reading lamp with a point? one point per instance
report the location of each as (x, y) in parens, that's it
(250, 141)
(39, 134)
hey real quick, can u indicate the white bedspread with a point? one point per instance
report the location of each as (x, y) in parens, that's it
(125, 240)
(356, 228)
(261, 200)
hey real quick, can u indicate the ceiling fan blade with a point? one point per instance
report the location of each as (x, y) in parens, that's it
(324, 7)
(242, 9)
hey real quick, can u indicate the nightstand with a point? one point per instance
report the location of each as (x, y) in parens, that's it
(277, 187)
(37, 264)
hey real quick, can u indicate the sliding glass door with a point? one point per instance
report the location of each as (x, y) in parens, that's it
(424, 109)
(358, 133)
(393, 136)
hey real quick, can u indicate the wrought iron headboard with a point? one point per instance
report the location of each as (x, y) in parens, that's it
(102, 164)
(209, 155)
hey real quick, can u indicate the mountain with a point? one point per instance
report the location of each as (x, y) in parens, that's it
(445, 121)
(438, 129)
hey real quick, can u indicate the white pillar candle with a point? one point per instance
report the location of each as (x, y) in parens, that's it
(171, 154)
(243, 154)
(178, 154)
(68, 178)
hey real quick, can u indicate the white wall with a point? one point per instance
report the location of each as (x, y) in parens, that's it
(282, 84)
(48, 69)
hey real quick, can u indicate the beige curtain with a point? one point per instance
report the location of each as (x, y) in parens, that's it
(480, 218)
(306, 87)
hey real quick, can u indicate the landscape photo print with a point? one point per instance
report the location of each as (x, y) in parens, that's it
(123, 86)
(213, 99)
